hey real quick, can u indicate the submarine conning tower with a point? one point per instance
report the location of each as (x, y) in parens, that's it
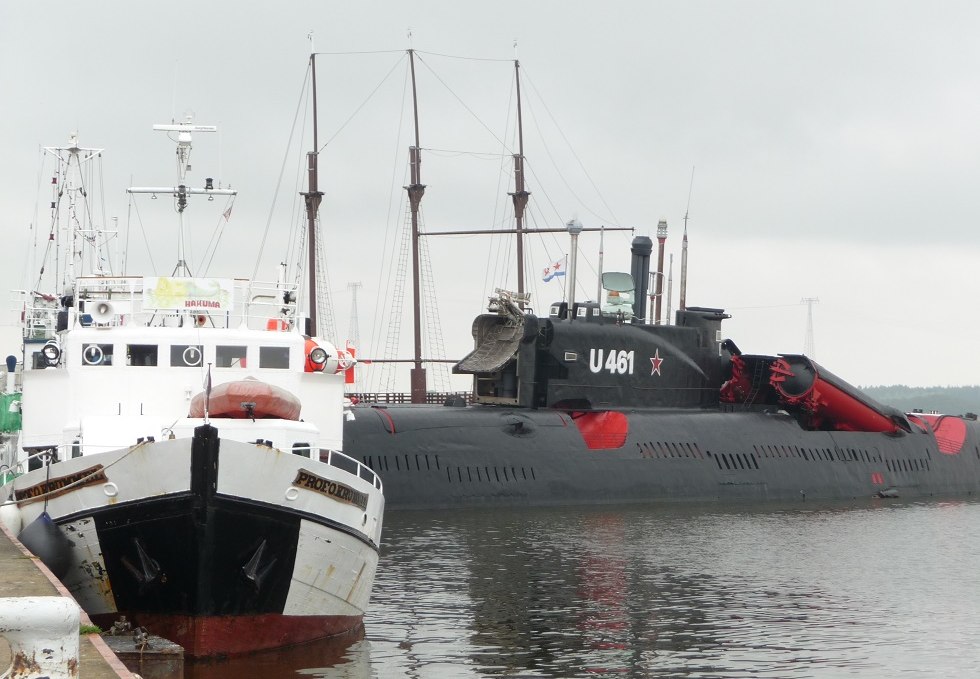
(597, 355)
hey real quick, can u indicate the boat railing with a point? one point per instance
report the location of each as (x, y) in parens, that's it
(346, 463)
(66, 451)
(41, 457)
(112, 301)
(38, 314)
(397, 397)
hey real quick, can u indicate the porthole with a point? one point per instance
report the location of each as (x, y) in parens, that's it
(92, 354)
(192, 356)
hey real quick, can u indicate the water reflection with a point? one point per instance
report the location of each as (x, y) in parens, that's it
(689, 592)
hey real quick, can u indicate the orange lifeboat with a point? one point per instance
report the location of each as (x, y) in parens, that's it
(248, 398)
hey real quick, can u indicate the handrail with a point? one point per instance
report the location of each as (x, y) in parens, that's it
(358, 465)
(252, 304)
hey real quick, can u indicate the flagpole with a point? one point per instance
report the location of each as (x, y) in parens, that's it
(207, 395)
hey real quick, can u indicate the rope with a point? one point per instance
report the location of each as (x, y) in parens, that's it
(282, 171)
(362, 105)
(61, 490)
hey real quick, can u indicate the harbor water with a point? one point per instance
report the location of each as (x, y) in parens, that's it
(870, 588)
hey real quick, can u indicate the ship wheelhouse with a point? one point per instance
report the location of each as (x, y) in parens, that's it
(120, 359)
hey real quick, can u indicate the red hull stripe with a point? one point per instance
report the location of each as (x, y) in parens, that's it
(228, 635)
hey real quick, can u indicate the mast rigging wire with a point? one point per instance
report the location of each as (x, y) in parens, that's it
(615, 220)
(461, 102)
(212, 247)
(454, 56)
(139, 219)
(361, 105)
(390, 239)
(282, 170)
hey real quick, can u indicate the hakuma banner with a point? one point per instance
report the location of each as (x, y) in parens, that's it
(194, 294)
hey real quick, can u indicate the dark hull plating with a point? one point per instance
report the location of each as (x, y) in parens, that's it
(438, 457)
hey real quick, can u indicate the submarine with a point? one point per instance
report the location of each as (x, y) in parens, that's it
(595, 404)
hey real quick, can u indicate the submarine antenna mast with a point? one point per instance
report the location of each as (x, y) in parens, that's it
(683, 300)
(661, 240)
(808, 348)
(415, 192)
(520, 195)
(602, 234)
(574, 229)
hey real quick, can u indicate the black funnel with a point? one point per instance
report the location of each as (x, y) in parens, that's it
(640, 269)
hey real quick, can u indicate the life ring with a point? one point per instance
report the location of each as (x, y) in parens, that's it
(92, 354)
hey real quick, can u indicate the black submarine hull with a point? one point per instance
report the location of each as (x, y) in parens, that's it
(593, 404)
(432, 457)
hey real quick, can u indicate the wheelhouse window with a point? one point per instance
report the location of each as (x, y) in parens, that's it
(142, 354)
(186, 355)
(97, 354)
(274, 357)
(229, 357)
(300, 448)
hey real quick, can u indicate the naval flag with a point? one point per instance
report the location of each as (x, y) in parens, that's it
(556, 269)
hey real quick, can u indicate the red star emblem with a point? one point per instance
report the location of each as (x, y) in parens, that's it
(655, 361)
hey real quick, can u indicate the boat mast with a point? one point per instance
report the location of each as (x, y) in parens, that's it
(416, 189)
(182, 191)
(62, 183)
(520, 195)
(313, 197)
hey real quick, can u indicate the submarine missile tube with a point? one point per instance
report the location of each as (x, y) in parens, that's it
(831, 401)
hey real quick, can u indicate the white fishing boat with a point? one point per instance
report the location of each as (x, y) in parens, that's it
(228, 529)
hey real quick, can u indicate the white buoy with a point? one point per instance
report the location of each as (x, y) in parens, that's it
(42, 632)
(11, 518)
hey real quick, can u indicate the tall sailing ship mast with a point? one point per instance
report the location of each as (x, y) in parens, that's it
(519, 196)
(415, 191)
(313, 197)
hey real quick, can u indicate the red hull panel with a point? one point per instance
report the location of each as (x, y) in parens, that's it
(213, 635)
(950, 432)
(603, 430)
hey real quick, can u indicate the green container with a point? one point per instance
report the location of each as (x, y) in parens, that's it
(10, 419)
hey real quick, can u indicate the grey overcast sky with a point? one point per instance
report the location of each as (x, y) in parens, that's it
(834, 146)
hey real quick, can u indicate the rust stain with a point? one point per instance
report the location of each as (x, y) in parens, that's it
(24, 665)
(357, 581)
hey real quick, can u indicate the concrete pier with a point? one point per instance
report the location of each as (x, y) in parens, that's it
(23, 575)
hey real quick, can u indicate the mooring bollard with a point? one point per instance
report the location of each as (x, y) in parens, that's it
(42, 632)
